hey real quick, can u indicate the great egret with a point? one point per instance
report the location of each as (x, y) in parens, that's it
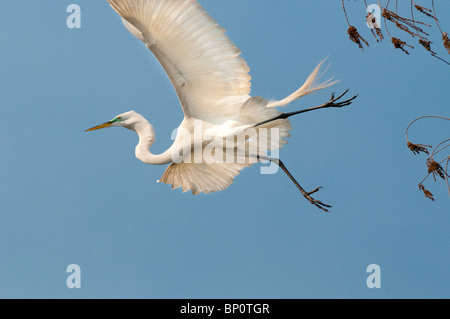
(213, 86)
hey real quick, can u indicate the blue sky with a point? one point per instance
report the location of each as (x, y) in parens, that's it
(70, 197)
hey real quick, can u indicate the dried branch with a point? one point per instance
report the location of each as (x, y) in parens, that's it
(353, 32)
(423, 117)
(434, 168)
(409, 25)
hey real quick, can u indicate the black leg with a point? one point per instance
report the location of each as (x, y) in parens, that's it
(305, 194)
(330, 103)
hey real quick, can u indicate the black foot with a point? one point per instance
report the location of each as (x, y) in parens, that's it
(332, 101)
(316, 202)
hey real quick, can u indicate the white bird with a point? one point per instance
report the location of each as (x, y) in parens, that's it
(213, 86)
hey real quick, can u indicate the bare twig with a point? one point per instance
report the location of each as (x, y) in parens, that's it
(434, 55)
(437, 150)
(345, 11)
(423, 117)
(435, 17)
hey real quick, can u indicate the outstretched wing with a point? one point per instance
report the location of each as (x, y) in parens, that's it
(204, 66)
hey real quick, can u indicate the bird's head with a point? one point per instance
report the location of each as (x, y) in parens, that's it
(127, 120)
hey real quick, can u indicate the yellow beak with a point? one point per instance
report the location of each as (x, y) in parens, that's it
(107, 124)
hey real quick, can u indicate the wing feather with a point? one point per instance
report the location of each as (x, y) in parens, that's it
(201, 177)
(204, 66)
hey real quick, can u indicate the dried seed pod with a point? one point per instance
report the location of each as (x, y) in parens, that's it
(426, 192)
(446, 41)
(424, 10)
(356, 37)
(399, 44)
(427, 45)
(435, 168)
(417, 148)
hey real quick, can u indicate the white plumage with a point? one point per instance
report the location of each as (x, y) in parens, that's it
(210, 77)
(213, 86)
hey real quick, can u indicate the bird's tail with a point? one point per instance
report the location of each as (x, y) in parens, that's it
(312, 84)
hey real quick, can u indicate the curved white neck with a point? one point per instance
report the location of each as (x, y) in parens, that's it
(146, 139)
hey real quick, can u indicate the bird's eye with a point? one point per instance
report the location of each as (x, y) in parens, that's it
(119, 117)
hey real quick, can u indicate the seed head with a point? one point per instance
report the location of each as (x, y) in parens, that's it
(426, 192)
(356, 37)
